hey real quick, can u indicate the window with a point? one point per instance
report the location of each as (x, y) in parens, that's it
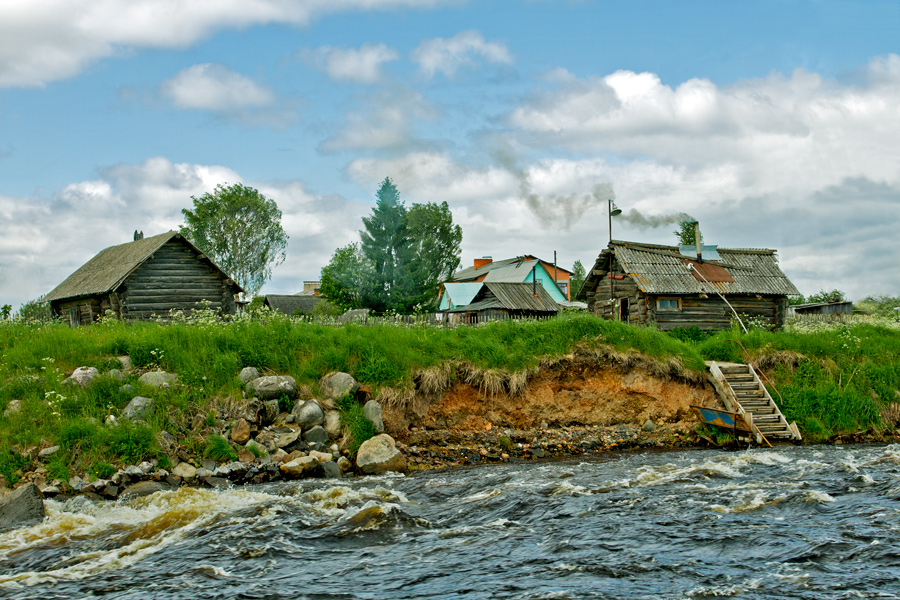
(668, 304)
(563, 287)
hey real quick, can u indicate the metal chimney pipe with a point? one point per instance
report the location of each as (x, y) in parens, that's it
(697, 241)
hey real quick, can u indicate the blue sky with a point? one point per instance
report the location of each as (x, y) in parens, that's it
(776, 124)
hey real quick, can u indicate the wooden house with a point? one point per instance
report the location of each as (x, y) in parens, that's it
(648, 284)
(822, 308)
(522, 269)
(505, 300)
(143, 278)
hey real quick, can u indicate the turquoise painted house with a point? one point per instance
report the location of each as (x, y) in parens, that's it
(513, 270)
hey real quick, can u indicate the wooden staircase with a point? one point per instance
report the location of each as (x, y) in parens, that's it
(742, 392)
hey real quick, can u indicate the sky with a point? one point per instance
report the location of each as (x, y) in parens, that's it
(774, 123)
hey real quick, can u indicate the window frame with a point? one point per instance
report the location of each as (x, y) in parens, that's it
(661, 299)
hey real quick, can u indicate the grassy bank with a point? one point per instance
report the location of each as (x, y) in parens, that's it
(845, 380)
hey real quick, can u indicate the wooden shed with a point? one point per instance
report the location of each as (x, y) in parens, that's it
(649, 284)
(292, 304)
(506, 300)
(143, 278)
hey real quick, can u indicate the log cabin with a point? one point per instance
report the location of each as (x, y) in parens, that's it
(663, 286)
(141, 279)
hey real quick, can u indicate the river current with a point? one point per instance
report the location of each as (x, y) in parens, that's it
(793, 522)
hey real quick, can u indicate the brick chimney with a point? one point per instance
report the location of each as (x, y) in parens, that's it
(484, 260)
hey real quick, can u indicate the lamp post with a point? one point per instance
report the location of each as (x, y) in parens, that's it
(613, 211)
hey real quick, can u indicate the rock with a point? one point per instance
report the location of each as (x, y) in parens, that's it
(159, 379)
(202, 473)
(649, 426)
(48, 451)
(184, 470)
(138, 408)
(278, 456)
(308, 414)
(270, 411)
(219, 483)
(21, 508)
(337, 384)
(252, 445)
(115, 374)
(330, 470)
(143, 488)
(286, 439)
(125, 361)
(82, 376)
(272, 387)
(246, 457)
(166, 440)
(299, 467)
(332, 424)
(379, 455)
(240, 433)
(76, 483)
(12, 408)
(372, 410)
(248, 374)
(316, 435)
(127, 389)
(321, 456)
(344, 464)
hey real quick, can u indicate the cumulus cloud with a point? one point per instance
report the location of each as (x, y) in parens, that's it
(47, 237)
(48, 40)
(447, 55)
(355, 65)
(388, 122)
(214, 87)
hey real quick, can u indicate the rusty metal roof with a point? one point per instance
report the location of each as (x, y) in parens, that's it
(660, 269)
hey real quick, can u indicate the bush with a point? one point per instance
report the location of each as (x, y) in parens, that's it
(10, 463)
(78, 433)
(354, 419)
(218, 449)
(130, 442)
(102, 470)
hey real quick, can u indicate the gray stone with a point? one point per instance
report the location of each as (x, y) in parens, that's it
(166, 440)
(344, 464)
(127, 389)
(330, 470)
(76, 483)
(125, 361)
(332, 424)
(649, 426)
(372, 410)
(299, 467)
(159, 379)
(379, 455)
(184, 470)
(138, 408)
(143, 488)
(12, 408)
(248, 374)
(316, 435)
(82, 376)
(202, 473)
(272, 387)
(337, 384)
(21, 508)
(115, 374)
(133, 471)
(321, 456)
(308, 414)
(48, 451)
(286, 439)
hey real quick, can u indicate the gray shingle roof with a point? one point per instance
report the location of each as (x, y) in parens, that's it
(108, 269)
(289, 304)
(512, 296)
(660, 269)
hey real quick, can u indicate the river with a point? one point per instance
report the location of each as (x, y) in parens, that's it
(815, 522)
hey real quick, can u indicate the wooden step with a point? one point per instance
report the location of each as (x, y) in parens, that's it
(734, 369)
(749, 386)
(739, 378)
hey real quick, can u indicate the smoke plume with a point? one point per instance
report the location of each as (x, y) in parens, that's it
(644, 222)
(553, 209)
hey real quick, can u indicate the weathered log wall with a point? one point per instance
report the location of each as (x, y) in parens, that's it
(174, 278)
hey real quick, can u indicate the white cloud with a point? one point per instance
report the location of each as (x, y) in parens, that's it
(362, 65)
(389, 122)
(447, 55)
(48, 40)
(46, 238)
(214, 87)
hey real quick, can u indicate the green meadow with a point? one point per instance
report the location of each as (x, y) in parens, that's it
(831, 379)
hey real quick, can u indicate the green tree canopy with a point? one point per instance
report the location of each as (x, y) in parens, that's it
(239, 229)
(578, 276)
(685, 233)
(403, 256)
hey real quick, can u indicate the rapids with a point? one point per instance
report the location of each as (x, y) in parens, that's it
(793, 522)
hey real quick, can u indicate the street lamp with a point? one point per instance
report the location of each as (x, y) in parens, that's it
(613, 211)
